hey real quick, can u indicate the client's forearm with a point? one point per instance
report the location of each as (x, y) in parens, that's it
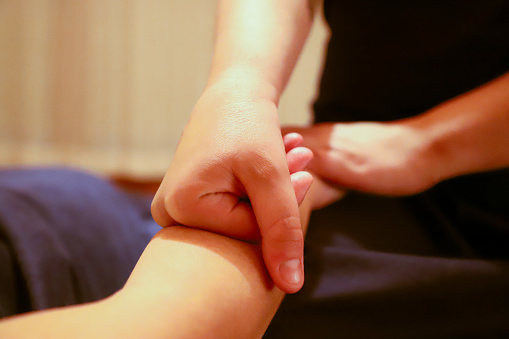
(198, 284)
(187, 284)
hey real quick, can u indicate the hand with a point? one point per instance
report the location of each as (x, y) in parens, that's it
(298, 158)
(379, 158)
(229, 170)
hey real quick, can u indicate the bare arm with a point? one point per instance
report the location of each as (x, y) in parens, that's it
(259, 41)
(231, 149)
(469, 133)
(188, 283)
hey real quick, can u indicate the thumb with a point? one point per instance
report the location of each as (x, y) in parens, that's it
(275, 207)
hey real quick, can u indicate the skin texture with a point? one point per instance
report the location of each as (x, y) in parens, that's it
(231, 151)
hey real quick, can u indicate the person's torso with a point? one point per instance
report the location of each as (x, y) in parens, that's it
(390, 59)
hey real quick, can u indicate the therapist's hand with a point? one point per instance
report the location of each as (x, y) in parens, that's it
(381, 158)
(230, 169)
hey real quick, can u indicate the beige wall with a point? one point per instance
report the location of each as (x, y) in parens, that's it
(107, 85)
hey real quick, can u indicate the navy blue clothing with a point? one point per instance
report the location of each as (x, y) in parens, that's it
(66, 237)
(435, 265)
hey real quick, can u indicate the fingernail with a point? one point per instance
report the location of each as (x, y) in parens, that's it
(291, 271)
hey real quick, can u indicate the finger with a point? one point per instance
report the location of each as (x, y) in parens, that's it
(292, 140)
(236, 218)
(301, 182)
(275, 206)
(298, 159)
(218, 209)
(232, 216)
(158, 210)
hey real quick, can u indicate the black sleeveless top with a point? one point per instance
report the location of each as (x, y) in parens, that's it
(388, 60)
(392, 59)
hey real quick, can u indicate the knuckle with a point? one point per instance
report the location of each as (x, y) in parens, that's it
(258, 165)
(286, 230)
(178, 205)
(154, 206)
(157, 214)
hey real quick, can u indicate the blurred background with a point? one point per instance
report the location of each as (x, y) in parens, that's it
(107, 85)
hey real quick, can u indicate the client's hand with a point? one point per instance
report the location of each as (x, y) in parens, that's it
(380, 158)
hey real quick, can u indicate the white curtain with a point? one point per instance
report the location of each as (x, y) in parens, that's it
(107, 85)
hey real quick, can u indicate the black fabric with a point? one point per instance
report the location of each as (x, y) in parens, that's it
(435, 265)
(66, 237)
(381, 267)
(387, 60)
